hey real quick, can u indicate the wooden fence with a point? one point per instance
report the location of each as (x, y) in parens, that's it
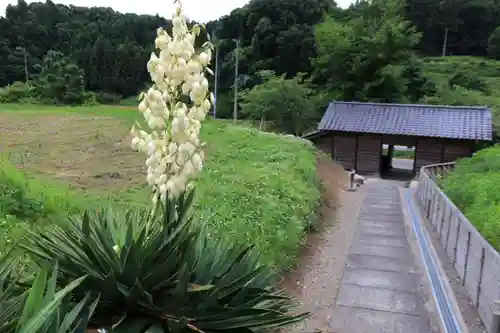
(476, 262)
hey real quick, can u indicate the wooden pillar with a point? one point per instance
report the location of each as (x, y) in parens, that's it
(415, 156)
(443, 144)
(356, 152)
(333, 146)
(390, 153)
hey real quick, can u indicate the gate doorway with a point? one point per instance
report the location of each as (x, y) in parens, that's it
(397, 162)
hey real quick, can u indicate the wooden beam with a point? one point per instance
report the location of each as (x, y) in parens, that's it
(333, 145)
(442, 149)
(415, 154)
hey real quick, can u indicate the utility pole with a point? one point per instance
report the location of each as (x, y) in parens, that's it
(25, 66)
(445, 42)
(235, 103)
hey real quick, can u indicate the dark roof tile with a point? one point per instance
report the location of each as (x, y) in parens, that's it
(455, 122)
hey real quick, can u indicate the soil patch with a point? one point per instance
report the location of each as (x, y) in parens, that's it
(83, 151)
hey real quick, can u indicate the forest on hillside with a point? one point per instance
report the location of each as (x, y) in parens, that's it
(310, 51)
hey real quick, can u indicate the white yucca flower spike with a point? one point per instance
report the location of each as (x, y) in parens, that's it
(172, 144)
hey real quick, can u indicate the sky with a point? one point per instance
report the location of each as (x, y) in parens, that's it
(197, 10)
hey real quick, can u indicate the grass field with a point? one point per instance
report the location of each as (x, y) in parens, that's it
(257, 187)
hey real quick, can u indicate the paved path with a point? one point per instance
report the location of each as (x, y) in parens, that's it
(380, 288)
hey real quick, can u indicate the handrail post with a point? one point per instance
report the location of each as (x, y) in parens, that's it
(495, 324)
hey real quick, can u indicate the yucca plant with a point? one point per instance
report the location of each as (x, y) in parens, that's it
(41, 308)
(160, 272)
(11, 295)
(49, 310)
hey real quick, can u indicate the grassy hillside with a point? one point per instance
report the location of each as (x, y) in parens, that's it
(257, 187)
(480, 71)
(441, 68)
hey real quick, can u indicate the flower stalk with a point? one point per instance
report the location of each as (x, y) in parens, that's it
(173, 109)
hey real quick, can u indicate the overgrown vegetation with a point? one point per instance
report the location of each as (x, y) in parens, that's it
(248, 190)
(182, 261)
(473, 187)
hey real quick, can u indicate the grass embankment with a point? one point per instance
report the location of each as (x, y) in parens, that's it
(473, 187)
(482, 70)
(257, 188)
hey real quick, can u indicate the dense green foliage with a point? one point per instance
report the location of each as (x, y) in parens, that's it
(369, 52)
(473, 187)
(286, 104)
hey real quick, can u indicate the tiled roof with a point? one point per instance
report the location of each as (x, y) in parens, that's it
(455, 122)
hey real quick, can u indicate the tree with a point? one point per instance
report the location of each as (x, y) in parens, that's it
(287, 103)
(60, 80)
(370, 57)
(494, 44)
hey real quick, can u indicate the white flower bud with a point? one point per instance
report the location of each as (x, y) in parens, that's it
(204, 58)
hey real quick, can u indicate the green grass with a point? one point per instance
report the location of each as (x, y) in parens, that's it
(256, 188)
(473, 187)
(440, 69)
(401, 154)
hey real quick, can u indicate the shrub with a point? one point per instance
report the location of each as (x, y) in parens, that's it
(18, 92)
(60, 80)
(468, 81)
(494, 44)
(108, 98)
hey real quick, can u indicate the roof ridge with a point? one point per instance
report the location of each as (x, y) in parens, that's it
(475, 108)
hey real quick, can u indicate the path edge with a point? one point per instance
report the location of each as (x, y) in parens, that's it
(413, 217)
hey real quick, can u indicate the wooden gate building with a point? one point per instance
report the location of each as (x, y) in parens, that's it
(353, 133)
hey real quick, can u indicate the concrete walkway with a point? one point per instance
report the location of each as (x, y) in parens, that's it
(380, 289)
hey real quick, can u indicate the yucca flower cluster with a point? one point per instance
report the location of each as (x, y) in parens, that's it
(173, 108)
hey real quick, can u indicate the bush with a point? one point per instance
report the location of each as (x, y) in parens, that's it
(60, 80)
(473, 187)
(109, 98)
(468, 81)
(18, 92)
(494, 44)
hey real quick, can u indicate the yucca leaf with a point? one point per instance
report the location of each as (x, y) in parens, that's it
(74, 316)
(36, 321)
(35, 298)
(196, 287)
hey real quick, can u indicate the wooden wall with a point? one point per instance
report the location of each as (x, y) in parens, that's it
(435, 150)
(427, 151)
(399, 140)
(363, 151)
(369, 154)
(454, 150)
(344, 149)
(324, 143)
